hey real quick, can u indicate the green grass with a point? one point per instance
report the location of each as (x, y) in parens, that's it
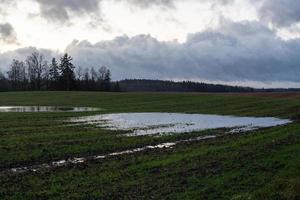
(262, 165)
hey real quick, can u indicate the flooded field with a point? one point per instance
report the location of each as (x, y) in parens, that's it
(48, 153)
(162, 123)
(45, 109)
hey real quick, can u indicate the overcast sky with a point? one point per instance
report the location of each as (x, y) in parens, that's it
(245, 42)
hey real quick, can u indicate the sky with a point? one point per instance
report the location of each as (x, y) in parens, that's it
(238, 42)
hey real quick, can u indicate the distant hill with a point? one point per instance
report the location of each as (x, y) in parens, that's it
(144, 85)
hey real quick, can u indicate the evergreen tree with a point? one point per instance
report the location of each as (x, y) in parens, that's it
(67, 73)
(116, 87)
(86, 79)
(4, 86)
(107, 79)
(54, 74)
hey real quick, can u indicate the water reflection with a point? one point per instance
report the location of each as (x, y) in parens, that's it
(161, 123)
(45, 109)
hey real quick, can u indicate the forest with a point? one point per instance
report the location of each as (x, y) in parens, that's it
(143, 85)
(36, 74)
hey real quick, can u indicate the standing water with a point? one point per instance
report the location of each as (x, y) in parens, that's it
(161, 123)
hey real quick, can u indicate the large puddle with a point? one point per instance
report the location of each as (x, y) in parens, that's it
(158, 123)
(162, 123)
(45, 109)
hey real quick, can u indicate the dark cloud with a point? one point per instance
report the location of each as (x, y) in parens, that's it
(21, 54)
(6, 1)
(168, 3)
(62, 10)
(149, 3)
(4, 4)
(281, 13)
(7, 34)
(59, 10)
(244, 51)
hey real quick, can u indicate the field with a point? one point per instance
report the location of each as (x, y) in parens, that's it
(262, 164)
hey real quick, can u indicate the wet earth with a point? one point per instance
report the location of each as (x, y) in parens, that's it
(45, 109)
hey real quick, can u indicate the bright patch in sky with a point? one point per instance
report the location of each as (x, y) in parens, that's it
(119, 18)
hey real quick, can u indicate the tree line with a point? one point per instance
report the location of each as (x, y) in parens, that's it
(36, 73)
(143, 85)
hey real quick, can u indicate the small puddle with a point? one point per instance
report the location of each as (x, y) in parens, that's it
(45, 109)
(162, 123)
(72, 161)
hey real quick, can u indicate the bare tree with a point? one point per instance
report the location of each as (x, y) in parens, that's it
(79, 73)
(101, 73)
(36, 67)
(17, 74)
(93, 74)
(104, 78)
(2, 76)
